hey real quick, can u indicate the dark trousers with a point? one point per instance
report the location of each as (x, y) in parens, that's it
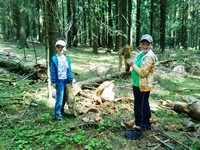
(142, 110)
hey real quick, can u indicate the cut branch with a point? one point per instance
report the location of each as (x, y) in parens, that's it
(84, 83)
(165, 61)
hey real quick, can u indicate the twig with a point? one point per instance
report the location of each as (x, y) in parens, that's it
(188, 89)
(5, 80)
(196, 136)
(162, 142)
(165, 61)
(12, 142)
(44, 133)
(25, 111)
(27, 76)
(156, 147)
(176, 141)
(82, 125)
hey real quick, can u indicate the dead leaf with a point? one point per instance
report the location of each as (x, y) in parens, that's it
(166, 103)
(171, 127)
(153, 121)
(129, 123)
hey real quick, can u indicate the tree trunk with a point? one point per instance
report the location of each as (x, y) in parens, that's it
(127, 55)
(124, 19)
(184, 24)
(84, 83)
(120, 5)
(117, 25)
(190, 106)
(94, 29)
(162, 24)
(129, 22)
(151, 17)
(138, 24)
(74, 24)
(53, 25)
(110, 24)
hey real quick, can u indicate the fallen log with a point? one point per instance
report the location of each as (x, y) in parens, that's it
(191, 106)
(84, 83)
(15, 67)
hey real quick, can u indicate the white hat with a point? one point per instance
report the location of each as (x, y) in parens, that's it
(147, 37)
(60, 42)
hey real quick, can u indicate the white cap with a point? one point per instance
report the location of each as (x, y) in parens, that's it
(60, 42)
(147, 37)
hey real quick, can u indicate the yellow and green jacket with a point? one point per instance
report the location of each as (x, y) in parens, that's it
(145, 70)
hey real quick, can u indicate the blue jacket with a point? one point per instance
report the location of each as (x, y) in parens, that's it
(54, 70)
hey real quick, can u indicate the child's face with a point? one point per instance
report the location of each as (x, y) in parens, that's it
(145, 46)
(60, 49)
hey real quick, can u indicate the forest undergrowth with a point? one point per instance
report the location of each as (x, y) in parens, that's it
(26, 113)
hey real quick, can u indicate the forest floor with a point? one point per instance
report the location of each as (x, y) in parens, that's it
(26, 113)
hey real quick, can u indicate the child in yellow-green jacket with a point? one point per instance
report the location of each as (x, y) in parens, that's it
(142, 78)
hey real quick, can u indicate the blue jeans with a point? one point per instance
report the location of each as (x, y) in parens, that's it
(60, 94)
(142, 110)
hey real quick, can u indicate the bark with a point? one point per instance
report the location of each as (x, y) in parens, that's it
(18, 68)
(127, 55)
(117, 26)
(193, 106)
(162, 24)
(70, 99)
(190, 106)
(84, 83)
(110, 38)
(120, 23)
(124, 20)
(138, 24)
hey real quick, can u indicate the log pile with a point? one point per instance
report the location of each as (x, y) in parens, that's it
(94, 103)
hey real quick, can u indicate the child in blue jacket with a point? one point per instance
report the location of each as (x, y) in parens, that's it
(61, 74)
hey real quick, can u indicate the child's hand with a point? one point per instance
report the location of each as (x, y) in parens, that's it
(73, 82)
(54, 85)
(129, 62)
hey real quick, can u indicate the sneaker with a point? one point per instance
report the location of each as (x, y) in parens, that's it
(64, 114)
(68, 115)
(146, 128)
(134, 134)
(147, 131)
(59, 118)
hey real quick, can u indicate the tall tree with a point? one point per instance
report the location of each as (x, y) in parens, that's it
(74, 24)
(124, 22)
(129, 22)
(94, 17)
(162, 24)
(23, 26)
(151, 17)
(117, 25)
(184, 24)
(120, 6)
(53, 26)
(138, 24)
(110, 25)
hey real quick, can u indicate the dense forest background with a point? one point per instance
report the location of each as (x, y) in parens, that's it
(97, 32)
(111, 24)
